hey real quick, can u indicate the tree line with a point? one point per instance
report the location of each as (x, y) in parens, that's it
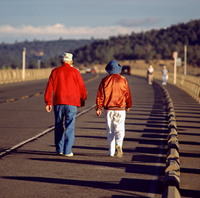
(153, 44)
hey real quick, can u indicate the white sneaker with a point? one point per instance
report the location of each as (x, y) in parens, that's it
(69, 155)
(119, 151)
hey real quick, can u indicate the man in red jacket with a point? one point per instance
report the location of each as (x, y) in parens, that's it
(69, 92)
(115, 96)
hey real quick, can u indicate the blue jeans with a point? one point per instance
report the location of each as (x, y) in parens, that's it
(164, 77)
(64, 140)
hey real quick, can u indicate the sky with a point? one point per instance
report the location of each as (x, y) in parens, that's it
(44, 20)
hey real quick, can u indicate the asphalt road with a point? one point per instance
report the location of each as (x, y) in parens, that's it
(22, 111)
(33, 170)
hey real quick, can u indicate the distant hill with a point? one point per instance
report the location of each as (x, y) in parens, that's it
(153, 44)
(11, 54)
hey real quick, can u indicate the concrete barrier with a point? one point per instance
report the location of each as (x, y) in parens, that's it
(15, 75)
(173, 154)
(171, 181)
(170, 192)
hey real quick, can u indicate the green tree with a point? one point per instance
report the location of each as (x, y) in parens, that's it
(108, 55)
(14, 65)
(32, 64)
(127, 50)
(137, 51)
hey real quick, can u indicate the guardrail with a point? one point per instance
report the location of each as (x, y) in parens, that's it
(171, 182)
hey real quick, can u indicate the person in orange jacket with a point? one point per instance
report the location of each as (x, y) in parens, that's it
(115, 97)
(69, 92)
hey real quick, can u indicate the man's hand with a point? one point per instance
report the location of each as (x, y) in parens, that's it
(82, 103)
(49, 108)
(98, 112)
(127, 109)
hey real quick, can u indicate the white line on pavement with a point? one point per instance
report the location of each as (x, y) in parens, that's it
(40, 134)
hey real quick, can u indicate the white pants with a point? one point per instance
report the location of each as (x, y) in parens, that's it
(115, 128)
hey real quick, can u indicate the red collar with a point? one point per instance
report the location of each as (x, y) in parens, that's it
(66, 64)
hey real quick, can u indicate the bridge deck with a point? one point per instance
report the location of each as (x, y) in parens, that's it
(33, 170)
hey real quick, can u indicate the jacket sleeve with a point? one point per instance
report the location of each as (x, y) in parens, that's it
(100, 97)
(128, 97)
(83, 91)
(48, 92)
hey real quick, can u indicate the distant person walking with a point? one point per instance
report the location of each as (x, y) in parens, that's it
(164, 75)
(69, 92)
(115, 96)
(150, 72)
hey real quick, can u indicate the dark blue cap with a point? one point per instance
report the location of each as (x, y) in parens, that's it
(113, 67)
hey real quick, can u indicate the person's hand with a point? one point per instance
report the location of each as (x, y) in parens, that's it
(82, 103)
(127, 109)
(98, 112)
(49, 108)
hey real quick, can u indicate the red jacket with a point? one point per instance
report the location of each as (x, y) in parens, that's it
(67, 86)
(114, 93)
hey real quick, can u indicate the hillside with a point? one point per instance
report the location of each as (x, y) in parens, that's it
(11, 54)
(148, 46)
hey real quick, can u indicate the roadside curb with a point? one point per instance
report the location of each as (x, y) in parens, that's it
(171, 183)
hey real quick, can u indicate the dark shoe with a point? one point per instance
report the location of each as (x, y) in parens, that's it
(59, 153)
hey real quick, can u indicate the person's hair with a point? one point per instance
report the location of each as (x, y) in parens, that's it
(66, 61)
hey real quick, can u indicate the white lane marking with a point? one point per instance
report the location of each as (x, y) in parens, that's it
(86, 110)
(40, 134)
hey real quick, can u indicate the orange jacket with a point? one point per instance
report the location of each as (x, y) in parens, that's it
(113, 93)
(67, 86)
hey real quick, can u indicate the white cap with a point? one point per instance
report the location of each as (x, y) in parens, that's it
(67, 57)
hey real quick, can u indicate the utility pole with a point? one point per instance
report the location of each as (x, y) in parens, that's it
(175, 56)
(185, 60)
(23, 63)
(39, 63)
